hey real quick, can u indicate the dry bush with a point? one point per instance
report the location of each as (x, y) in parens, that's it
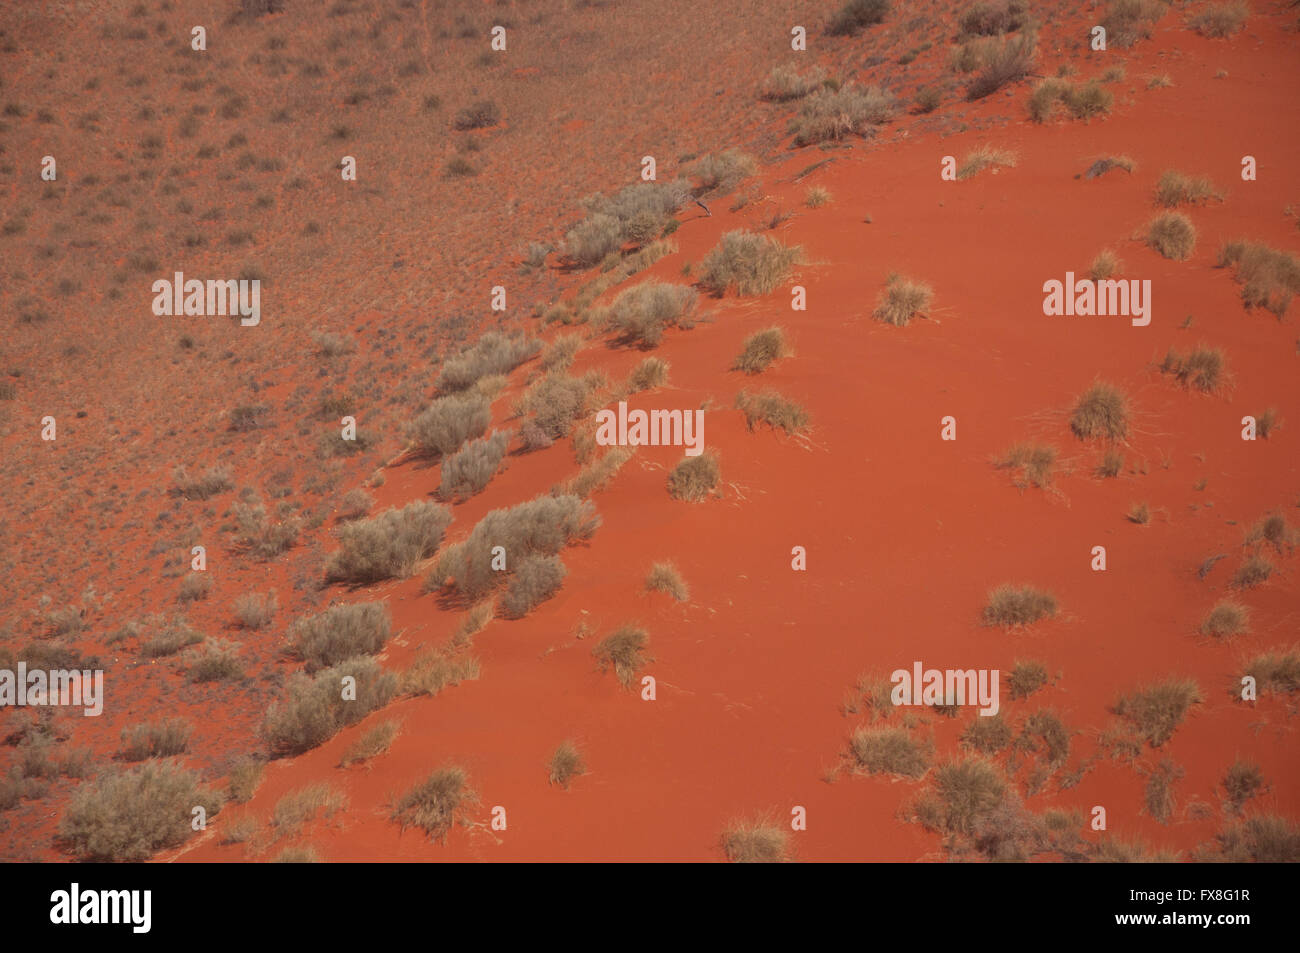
(597, 474)
(1159, 794)
(1220, 19)
(1128, 21)
(1105, 265)
(983, 158)
(1003, 61)
(817, 196)
(829, 115)
(856, 15)
(651, 372)
(1268, 277)
(1026, 678)
(436, 803)
(159, 739)
(494, 353)
(1018, 605)
(1242, 781)
(1157, 710)
(315, 710)
(624, 651)
(535, 579)
(772, 409)
(1276, 531)
(556, 401)
(785, 83)
(1139, 513)
(1276, 671)
(993, 17)
(216, 660)
(341, 632)
(388, 545)
(756, 842)
(1112, 851)
(542, 526)
(470, 469)
(254, 611)
(1173, 235)
(475, 621)
(889, 751)
(987, 735)
(695, 478)
(1160, 81)
(902, 300)
(260, 536)
(372, 743)
(1201, 369)
(965, 793)
(127, 815)
(928, 99)
(1251, 573)
(566, 764)
(245, 776)
(1174, 189)
(479, 115)
(1080, 100)
(214, 480)
(638, 214)
(760, 350)
(1111, 466)
(297, 808)
(297, 854)
(664, 577)
(619, 270)
(168, 638)
(559, 354)
(1264, 839)
(1226, 619)
(1105, 164)
(641, 313)
(750, 263)
(720, 172)
(1101, 411)
(194, 587)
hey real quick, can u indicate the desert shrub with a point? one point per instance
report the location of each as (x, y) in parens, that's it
(856, 15)
(1174, 189)
(1026, 678)
(450, 421)
(772, 409)
(720, 172)
(194, 587)
(388, 545)
(432, 671)
(341, 632)
(637, 214)
(1018, 605)
(1105, 164)
(817, 196)
(248, 417)
(1201, 369)
(536, 578)
(1045, 734)
(469, 470)
(556, 401)
(965, 792)
(983, 158)
(664, 577)
(436, 803)
(1220, 19)
(593, 238)
(475, 621)
(1241, 782)
(1276, 671)
(214, 480)
(1251, 573)
(1269, 278)
(597, 474)
(254, 611)
(695, 477)
(928, 99)
(315, 710)
(245, 776)
(987, 735)
(297, 854)
(298, 807)
(1157, 710)
(760, 350)
(1159, 793)
(216, 660)
(128, 815)
(1274, 530)
(1226, 619)
(560, 352)
(1264, 839)
(1112, 851)
(261, 536)
(494, 353)
(641, 313)
(1034, 461)
(566, 764)
(168, 638)
(1104, 266)
(785, 83)
(750, 263)
(902, 300)
(1127, 21)
(624, 651)
(1112, 464)
(372, 743)
(159, 739)
(889, 751)
(756, 842)
(1080, 100)
(1173, 235)
(1101, 411)
(1003, 61)
(829, 115)
(1139, 513)
(542, 527)
(479, 115)
(651, 372)
(993, 17)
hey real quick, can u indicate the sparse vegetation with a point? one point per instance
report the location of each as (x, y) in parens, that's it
(536, 578)
(785, 83)
(341, 632)
(1105, 265)
(1101, 411)
(1157, 710)
(987, 735)
(756, 842)
(479, 115)
(1241, 782)
(624, 651)
(245, 776)
(772, 409)
(1159, 794)
(432, 671)
(1034, 461)
(470, 469)
(1251, 573)
(1225, 620)
(216, 660)
(1010, 605)
(160, 739)
(664, 577)
(999, 62)
(1080, 100)
(651, 372)
(1220, 19)
(1139, 513)
(1276, 671)
(889, 751)
(760, 350)
(747, 262)
(1176, 189)
(299, 807)
(720, 172)
(597, 474)
(1173, 235)
(436, 803)
(372, 743)
(985, 157)
(1202, 369)
(388, 545)
(829, 115)
(255, 611)
(902, 300)
(1026, 678)
(695, 478)
(856, 15)
(315, 709)
(1269, 278)
(494, 353)
(214, 480)
(1264, 839)
(1128, 21)
(566, 764)
(641, 313)
(638, 214)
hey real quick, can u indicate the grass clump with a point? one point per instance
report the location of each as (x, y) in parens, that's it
(494, 353)
(255, 611)
(1034, 461)
(772, 409)
(1276, 671)
(597, 474)
(127, 815)
(1276, 531)
(664, 577)
(1026, 678)
(1157, 710)
(1159, 793)
(479, 115)
(695, 478)
(1010, 605)
(1269, 278)
(1128, 21)
(993, 18)
(1101, 411)
(856, 15)
(965, 792)
(168, 638)
(1139, 513)
(985, 157)
(1001, 62)
(1251, 573)
(760, 350)
(536, 578)
(1079, 100)
(1225, 620)
(641, 313)
(889, 751)
(566, 764)
(1241, 782)
(624, 651)
(388, 545)
(435, 804)
(448, 422)
(902, 300)
(372, 743)
(756, 842)
(1173, 235)
(1104, 266)
(470, 469)
(785, 83)
(341, 632)
(245, 776)
(217, 660)
(1201, 369)
(555, 401)
(830, 115)
(318, 707)
(259, 535)
(432, 671)
(651, 372)
(1220, 19)
(987, 735)
(747, 262)
(638, 214)
(1176, 189)
(212, 481)
(720, 172)
(298, 807)
(160, 739)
